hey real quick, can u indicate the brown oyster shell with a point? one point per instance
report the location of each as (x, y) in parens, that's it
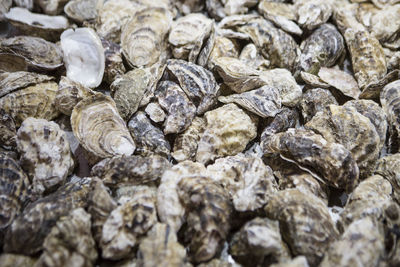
(12, 81)
(314, 101)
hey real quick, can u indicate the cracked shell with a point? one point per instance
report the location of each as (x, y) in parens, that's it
(227, 133)
(308, 227)
(208, 210)
(314, 101)
(330, 163)
(45, 154)
(99, 128)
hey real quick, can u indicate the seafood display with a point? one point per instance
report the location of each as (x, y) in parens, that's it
(210, 133)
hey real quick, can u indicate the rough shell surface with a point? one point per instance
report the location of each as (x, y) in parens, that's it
(313, 13)
(227, 133)
(70, 242)
(155, 112)
(52, 7)
(299, 261)
(329, 162)
(81, 10)
(99, 128)
(285, 119)
(253, 58)
(340, 80)
(10, 260)
(313, 80)
(114, 65)
(390, 100)
(8, 131)
(208, 211)
(389, 167)
(223, 47)
(12, 81)
(314, 101)
(308, 226)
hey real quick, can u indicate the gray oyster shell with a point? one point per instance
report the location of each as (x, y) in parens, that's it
(8, 131)
(388, 167)
(390, 101)
(314, 101)
(313, 13)
(285, 119)
(81, 10)
(12, 81)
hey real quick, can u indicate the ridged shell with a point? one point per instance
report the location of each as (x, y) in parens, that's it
(11, 81)
(308, 227)
(142, 38)
(46, 155)
(34, 101)
(314, 101)
(329, 162)
(149, 139)
(28, 231)
(81, 10)
(10, 260)
(227, 133)
(208, 210)
(223, 47)
(313, 13)
(99, 128)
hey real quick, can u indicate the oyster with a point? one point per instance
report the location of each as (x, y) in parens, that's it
(314, 101)
(161, 248)
(251, 57)
(28, 231)
(142, 38)
(132, 170)
(198, 83)
(114, 65)
(340, 80)
(81, 10)
(249, 182)
(208, 212)
(99, 128)
(44, 26)
(321, 49)
(52, 7)
(309, 229)
(313, 13)
(227, 133)
(259, 243)
(33, 101)
(285, 119)
(11, 81)
(390, 101)
(185, 144)
(45, 154)
(299, 261)
(128, 222)
(85, 45)
(8, 131)
(70, 242)
(313, 80)
(11, 260)
(38, 53)
(373, 90)
(329, 162)
(223, 47)
(155, 112)
(388, 167)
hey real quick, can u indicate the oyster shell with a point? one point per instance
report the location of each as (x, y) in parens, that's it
(223, 47)
(142, 38)
(299, 261)
(70, 242)
(99, 128)
(313, 13)
(11, 260)
(132, 170)
(285, 119)
(227, 133)
(38, 53)
(198, 83)
(45, 154)
(341, 80)
(34, 101)
(313, 80)
(114, 65)
(208, 212)
(52, 7)
(133, 218)
(81, 10)
(8, 131)
(330, 163)
(390, 101)
(44, 26)
(309, 229)
(314, 101)
(85, 45)
(161, 248)
(388, 167)
(12, 81)
(28, 231)
(259, 243)
(251, 57)
(155, 112)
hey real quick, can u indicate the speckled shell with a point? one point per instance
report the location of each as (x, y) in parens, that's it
(11, 81)
(197, 82)
(308, 227)
(155, 112)
(313, 80)
(180, 109)
(132, 170)
(362, 244)
(169, 207)
(259, 243)
(252, 57)
(161, 248)
(45, 154)
(367, 57)
(128, 90)
(346, 126)
(69, 94)
(13, 191)
(329, 162)
(8, 131)
(227, 133)
(149, 139)
(28, 231)
(223, 47)
(321, 49)
(39, 54)
(285, 119)
(142, 38)
(390, 100)
(11, 260)
(340, 80)
(99, 128)
(133, 218)
(81, 10)
(281, 79)
(185, 144)
(249, 182)
(70, 242)
(373, 90)
(208, 212)
(385, 23)
(114, 65)
(34, 101)
(313, 13)
(389, 168)
(314, 101)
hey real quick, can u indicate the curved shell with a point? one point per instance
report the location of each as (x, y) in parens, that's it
(313, 13)
(11, 81)
(38, 53)
(340, 80)
(45, 154)
(8, 131)
(99, 128)
(389, 167)
(114, 65)
(390, 100)
(142, 38)
(83, 56)
(314, 101)
(81, 10)
(285, 119)
(223, 47)
(34, 101)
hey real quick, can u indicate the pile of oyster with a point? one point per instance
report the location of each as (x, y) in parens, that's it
(199, 133)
